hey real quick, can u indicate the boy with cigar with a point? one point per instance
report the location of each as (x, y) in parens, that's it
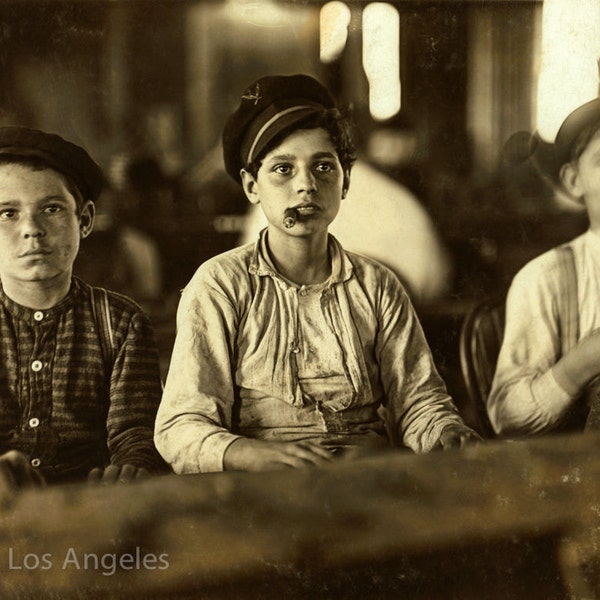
(289, 350)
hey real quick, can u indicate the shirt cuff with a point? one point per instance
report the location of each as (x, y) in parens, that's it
(213, 450)
(550, 397)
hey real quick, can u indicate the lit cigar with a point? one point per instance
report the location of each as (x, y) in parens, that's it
(290, 216)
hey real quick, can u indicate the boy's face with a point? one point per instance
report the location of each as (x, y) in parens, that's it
(304, 173)
(581, 178)
(40, 228)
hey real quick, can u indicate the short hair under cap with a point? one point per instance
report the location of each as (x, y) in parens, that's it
(268, 107)
(59, 154)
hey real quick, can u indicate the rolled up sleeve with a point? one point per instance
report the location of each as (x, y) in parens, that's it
(417, 401)
(193, 424)
(525, 396)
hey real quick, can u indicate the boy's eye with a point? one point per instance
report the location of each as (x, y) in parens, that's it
(53, 208)
(324, 167)
(7, 213)
(282, 169)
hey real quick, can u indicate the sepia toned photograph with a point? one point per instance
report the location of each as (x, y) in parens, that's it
(299, 299)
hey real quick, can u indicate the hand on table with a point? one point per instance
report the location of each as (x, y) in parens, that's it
(257, 455)
(17, 473)
(457, 435)
(117, 474)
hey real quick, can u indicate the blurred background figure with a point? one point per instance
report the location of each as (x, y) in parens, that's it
(120, 255)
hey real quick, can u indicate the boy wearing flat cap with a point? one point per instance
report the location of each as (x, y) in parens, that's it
(288, 349)
(551, 347)
(79, 376)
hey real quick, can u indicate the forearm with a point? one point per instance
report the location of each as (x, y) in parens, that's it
(193, 424)
(135, 446)
(532, 399)
(190, 444)
(416, 396)
(417, 400)
(245, 454)
(426, 417)
(135, 392)
(531, 391)
(578, 367)
(523, 402)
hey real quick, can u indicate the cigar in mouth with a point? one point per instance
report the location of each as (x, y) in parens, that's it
(290, 216)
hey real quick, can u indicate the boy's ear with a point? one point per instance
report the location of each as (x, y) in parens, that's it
(86, 219)
(569, 176)
(249, 185)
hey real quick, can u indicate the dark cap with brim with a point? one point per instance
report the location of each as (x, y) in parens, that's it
(268, 108)
(581, 118)
(59, 154)
(546, 157)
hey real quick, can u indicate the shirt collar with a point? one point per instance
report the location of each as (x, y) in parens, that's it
(31, 315)
(593, 240)
(261, 265)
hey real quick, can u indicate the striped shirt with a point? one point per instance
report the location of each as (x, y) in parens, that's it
(58, 402)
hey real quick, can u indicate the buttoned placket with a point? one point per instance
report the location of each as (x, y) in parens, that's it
(37, 409)
(290, 295)
(332, 307)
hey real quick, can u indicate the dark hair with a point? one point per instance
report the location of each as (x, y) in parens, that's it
(583, 139)
(39, 164)
(338, 126)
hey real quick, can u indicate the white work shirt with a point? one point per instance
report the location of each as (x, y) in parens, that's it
(241, 364)
(525, 397)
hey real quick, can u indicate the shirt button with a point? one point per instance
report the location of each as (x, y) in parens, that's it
(34, 422)
(38, 315)
(36, 365)
(36, 462)
(295, 350)
(291, 397)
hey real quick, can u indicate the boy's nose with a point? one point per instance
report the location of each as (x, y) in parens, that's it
(32, 228)
(306, 181)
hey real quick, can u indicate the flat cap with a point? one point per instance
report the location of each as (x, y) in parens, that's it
(549, 157)
(582, 117)
(267, 108)
(57, 153)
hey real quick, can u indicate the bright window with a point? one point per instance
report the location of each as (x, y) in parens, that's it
(334, 22)
(381, 58)
(569, 61)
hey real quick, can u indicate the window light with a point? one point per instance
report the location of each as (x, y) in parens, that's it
(569, 61)
(334, 22)
(381, 58)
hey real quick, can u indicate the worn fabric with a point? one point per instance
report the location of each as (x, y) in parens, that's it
(59, 404)
(237, 366)
(525, 397)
